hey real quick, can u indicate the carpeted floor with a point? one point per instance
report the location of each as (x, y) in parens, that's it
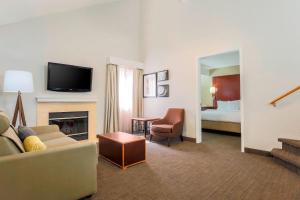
(213, 170)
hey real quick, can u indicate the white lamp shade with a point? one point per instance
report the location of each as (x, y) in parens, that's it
(15, 81)
(213, 90)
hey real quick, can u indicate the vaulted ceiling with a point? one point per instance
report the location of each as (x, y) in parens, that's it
(12, 11)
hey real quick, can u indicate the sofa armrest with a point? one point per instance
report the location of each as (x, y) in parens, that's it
(68, 172)
(46, 129)
(159, 121)
(177, 128)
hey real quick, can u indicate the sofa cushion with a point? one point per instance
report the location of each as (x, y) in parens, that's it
(49, 136)
(7, 147)
(59, 142)
(46, 129)
(33, 143)
(4, 123)
(24, 132)
(12, 135)
(9, 132)
(162, 128)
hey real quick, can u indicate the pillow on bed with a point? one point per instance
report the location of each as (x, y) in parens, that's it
(235, 105)
(223, 105)
(228, 105)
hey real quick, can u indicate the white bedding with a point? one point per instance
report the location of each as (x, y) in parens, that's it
(221, 115)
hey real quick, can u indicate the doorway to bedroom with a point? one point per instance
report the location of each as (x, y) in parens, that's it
(220, 99)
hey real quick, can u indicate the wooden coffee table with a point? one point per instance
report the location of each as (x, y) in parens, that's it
(122, 149)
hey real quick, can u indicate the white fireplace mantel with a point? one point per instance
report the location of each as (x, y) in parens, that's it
(65, 99)
(46, 105)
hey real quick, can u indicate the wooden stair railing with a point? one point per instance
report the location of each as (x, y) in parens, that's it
(273, 103)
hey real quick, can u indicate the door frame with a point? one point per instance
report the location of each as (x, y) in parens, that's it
(198, 92)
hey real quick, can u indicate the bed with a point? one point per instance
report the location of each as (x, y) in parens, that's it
(226, 117)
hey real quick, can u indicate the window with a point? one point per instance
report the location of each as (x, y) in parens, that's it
(125, 98)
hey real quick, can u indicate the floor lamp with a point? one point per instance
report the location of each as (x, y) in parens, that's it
(18, 82)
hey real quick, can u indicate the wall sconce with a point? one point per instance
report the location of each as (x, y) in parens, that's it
(212, 90)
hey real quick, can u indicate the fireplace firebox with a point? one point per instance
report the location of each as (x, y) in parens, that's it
(73, 124)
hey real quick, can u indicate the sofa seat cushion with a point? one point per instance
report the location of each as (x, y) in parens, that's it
(59, 142)
(162, 128)
(50, 136)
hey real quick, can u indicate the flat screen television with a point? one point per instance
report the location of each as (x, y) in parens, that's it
(69, 78)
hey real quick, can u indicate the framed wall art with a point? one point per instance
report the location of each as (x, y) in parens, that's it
(163, 75)
(163, 90)
(150, 85)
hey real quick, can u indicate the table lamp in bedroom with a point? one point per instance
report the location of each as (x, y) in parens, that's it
(212, 91)
(17, 82)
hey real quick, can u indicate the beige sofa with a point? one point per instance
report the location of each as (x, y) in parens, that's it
(66, 170)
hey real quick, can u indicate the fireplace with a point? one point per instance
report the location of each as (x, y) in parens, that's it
(73, 124)
(69, 106)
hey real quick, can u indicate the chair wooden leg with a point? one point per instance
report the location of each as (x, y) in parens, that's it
(181, 137)
(150, 137)
(169, 141)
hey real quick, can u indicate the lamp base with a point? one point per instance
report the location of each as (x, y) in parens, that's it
(19, 111)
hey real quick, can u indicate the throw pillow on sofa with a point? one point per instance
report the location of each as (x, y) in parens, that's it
(33, 143)
(30, 141)
(9, 132)
(4, 123)
(24, 132)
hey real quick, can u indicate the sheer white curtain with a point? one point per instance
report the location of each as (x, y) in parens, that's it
(125, 98)
(111, 117)
(138, 106)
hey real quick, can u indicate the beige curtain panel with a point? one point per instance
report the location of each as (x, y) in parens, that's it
(138, 108)
(111, 118)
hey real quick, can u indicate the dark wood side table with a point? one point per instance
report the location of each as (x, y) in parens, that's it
(143, 120)
(122, 149)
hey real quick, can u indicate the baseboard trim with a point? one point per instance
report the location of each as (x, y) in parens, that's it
(189, 139)
(221, 132)
(257, 152)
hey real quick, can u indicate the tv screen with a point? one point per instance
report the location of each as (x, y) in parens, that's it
(69, 78)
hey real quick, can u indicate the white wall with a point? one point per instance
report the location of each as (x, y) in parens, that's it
(267, 32)
(81, 37)
(206, 97)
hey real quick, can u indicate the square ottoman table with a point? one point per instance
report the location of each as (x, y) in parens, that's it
(122, 149)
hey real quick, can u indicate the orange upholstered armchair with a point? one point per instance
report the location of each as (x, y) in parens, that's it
(170, 126)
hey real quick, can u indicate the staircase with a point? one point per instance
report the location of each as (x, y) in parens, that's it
(289, 155)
